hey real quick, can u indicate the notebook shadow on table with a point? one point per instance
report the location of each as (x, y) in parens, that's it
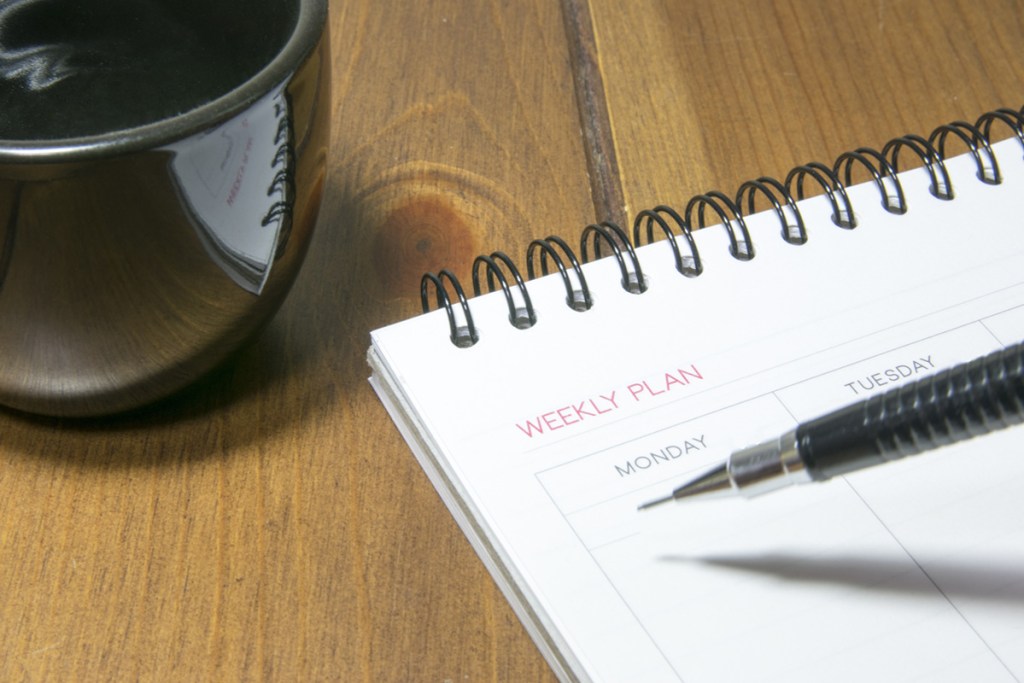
(966, 578)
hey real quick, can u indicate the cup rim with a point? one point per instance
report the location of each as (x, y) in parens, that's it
(309, 27)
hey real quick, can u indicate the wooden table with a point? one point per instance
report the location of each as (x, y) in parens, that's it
(270, 523)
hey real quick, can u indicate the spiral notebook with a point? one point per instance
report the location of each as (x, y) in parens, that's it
(545, 411)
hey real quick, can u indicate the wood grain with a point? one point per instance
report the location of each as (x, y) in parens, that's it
(708, 95)
(270, 524)
(602, 163)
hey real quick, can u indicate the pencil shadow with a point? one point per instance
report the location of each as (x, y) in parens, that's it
(954, 578)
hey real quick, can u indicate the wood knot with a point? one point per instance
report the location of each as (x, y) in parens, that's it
(423, 234)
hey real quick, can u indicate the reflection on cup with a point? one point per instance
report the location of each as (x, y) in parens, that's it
(237, 182)
(135, 258)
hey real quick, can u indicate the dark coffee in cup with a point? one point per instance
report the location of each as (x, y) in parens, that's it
(71, 69)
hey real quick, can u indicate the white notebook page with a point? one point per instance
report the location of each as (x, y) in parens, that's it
(544, 441)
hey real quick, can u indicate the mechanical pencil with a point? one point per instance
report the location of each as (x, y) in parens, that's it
(959, 403)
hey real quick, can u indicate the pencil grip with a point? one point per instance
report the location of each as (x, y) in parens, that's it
(968, 400)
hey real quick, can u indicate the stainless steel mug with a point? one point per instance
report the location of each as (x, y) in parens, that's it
(161, 169)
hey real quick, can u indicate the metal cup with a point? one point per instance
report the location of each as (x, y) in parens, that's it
(155, 204)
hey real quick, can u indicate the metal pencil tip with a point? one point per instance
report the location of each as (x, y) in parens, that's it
(714, 483)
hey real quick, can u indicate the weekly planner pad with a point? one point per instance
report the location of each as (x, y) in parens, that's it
(543, 441)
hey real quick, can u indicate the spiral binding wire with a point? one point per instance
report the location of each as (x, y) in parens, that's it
(883, 166)
(521, 313)
(689, 265)
(283, 182)
(577, 296)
